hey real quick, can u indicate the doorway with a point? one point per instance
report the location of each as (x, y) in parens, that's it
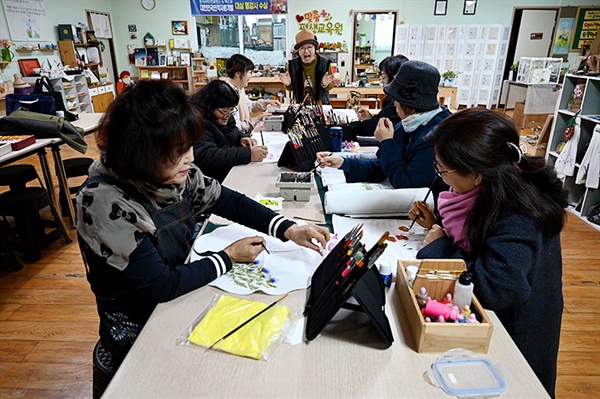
(374, 33)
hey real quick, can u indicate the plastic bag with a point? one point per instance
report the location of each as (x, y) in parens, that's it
(257, 340)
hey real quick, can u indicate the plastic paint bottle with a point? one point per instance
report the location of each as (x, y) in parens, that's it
(386, 274)
(335, 139)
(463, 290)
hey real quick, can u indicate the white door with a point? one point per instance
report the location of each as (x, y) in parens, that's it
(535, 33)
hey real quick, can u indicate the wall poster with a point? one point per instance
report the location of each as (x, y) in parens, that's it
(27, 20)
(586, 27)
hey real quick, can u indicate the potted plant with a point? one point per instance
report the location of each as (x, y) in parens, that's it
(449, 78)
(513, 71)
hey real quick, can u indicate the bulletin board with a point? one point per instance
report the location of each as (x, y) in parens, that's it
(586, 27)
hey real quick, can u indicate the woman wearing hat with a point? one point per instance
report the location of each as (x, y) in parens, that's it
(308, 73)
(404, 157)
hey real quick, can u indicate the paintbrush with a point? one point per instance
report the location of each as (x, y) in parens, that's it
(424, 200)
(247, 321)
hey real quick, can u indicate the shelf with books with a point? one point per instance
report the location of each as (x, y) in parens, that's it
(177, 74)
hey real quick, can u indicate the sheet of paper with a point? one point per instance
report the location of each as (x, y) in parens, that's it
(288, 267)
(374, 228)
(275, 141)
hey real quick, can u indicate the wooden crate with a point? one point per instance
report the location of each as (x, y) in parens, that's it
(440, 337)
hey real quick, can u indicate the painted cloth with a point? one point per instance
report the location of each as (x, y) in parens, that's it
(454, 208)
(517, 273)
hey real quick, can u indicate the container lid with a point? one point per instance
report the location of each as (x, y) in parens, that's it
(468, 377)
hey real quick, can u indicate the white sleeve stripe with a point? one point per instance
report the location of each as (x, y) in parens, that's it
(222, 263)
(217, 265)
(277, 226)
(275, 222)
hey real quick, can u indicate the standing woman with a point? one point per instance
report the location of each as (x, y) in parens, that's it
(135, 213)
(503, 216)
(239, 71)
(223, 145)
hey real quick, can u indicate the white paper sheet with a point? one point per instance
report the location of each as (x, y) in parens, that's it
(288, 267)
(362, 201)
(275, 141)
(374, 228)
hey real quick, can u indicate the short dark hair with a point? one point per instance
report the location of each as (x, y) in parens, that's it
(483, 142)
(216, 94)
(391, 65)
(146, 127)
(238, 63)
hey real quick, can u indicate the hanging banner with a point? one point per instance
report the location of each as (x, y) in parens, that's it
(27, 20)
(238, 7)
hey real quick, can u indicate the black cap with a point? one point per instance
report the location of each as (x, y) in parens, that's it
(465, 278)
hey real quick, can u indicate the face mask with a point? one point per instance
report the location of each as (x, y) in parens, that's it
(127, 80)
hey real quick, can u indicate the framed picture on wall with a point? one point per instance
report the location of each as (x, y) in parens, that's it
(440, 7)
(185, 59)
(179, 27)
(469, 7)
(27, 65)
(162, 60)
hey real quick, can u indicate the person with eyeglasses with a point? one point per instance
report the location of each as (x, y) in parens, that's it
(503, 215)
(309, 73)
(223, 145)
(239, 71)
(136, 213)
(404, 156)
(367, 123)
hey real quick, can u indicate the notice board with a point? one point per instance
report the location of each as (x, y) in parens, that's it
(586, 27)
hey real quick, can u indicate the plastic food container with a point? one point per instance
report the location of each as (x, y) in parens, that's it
(468, 377)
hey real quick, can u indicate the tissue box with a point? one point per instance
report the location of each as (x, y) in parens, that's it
(440, 337)
(539, 70)
(295, 186)
(18, 142)
(273, 123)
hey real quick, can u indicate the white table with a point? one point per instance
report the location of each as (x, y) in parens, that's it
(343, 362)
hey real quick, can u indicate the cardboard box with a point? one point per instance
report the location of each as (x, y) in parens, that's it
(18, 142)
(440, 337)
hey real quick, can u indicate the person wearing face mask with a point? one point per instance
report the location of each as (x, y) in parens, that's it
(404, 157)
(309, 73)
(135, 213)
(239, 71)
(367, 123)
(502, 215)
(223, 145)
(124, 81)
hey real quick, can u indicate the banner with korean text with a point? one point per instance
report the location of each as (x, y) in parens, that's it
(238, 7)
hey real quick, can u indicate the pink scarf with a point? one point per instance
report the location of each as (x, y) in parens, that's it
(454, 208)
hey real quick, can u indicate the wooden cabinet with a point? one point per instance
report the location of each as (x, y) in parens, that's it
(88, 55)
(198, 74)
(178, 74)
(589, 122)
(102, 96)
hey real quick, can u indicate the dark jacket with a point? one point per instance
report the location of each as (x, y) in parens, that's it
(406, 160)
(518, 274)
(219, 150)
(367, 127)
(295, 70)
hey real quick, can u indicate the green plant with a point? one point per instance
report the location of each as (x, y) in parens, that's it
(449, 74)
(515, 66)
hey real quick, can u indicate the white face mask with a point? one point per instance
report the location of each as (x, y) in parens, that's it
(127, 80)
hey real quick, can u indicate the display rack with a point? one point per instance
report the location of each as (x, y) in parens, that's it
(178, 74)
(581, 197)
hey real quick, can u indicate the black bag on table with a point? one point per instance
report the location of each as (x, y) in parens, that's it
(44, 83)
(42, 104)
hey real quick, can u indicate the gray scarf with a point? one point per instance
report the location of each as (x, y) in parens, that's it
(113, 223)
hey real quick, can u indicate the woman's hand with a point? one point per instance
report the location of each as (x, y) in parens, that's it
(363, 114)
(436, 232)
(426, 218)
(325, 158)
(285, 78)
(261, 116)
(327, 79)
(274, 103)
(245, 250)
(305, 236)
(258, 153)
(248, 142)
(384, 130)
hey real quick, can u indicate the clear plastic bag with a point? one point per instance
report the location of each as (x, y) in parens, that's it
(257, 340)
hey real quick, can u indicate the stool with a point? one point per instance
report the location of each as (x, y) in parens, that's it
(17, 176)
(104, 370)
(74, 167)
(24, 205)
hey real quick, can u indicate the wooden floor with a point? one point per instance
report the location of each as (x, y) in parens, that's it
(49, 325)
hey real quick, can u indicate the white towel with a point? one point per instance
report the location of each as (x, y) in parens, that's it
(565, 164)
(589, 170)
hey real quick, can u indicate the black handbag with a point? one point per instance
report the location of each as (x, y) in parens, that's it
(42, 104)
(44, 83)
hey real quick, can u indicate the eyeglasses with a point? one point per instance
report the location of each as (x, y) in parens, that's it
(440, 173)
(306, 49)
(226, 114)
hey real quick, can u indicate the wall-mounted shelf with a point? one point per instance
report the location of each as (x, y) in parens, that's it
(177, 74)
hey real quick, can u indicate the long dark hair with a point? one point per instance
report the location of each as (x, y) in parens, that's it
(216, 94)
(482, 142)
(146, 127)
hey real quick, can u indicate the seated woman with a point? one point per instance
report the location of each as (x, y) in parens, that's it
(239, 71)
(404, 157)
(367, 123)
(222, 146)
(135, 213)
(503, 216)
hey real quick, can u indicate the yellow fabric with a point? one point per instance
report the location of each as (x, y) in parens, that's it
(250, 340)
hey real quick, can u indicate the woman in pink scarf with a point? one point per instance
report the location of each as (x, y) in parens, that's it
(502, 216)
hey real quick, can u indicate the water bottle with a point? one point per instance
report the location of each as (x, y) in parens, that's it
(335, 139)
